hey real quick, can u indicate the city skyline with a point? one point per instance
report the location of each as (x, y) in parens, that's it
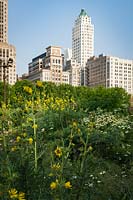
(35, 25)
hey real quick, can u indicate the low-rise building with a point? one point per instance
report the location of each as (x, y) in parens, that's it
(49, 67)
(7, 52)
(110, 71)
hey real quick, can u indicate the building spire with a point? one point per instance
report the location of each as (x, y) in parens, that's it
(83, 13)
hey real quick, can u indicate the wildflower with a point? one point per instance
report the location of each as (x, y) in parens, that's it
(90, 148)
(30, 90)
(50, 174)
(91, 185)
(57, 181)
(68, 185)
(21, 196)
(53, 185)
(39, 84)
(18, 139)
(26, 108)
(74, 124)
(72, 100)
(30, 140)
(79, 131)
(91, 125)
(56, 166)
(58, 152)
(98, 181)
(27, 89)
(34, 126)
(29, 103)
(29, 119)
(13, 148)
(24, 134)
(37, 102)
(13, 193)
(103, 172)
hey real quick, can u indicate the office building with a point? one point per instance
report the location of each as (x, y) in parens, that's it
(7, 51)
(74, 70)
(4, 21)
(110, 71)
(83, 41)
(49, 67)
(67, 55)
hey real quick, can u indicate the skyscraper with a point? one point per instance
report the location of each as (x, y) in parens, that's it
(83, 41)
(3, 21)
(7, 51)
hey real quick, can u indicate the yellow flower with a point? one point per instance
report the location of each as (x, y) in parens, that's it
(56, 166)
(30, 140)
(57, 181)
(13, 193)
(53, 185)
(24, 134)
(18, 139)
(29, 103)
(39, 84)
(68, 185)
(30, 90)
(90, 148)
(51, 174)
(14, 148)
(79, 131)
(27, 89)
(21, 196)
(26, 108)
(74, 124)
(58, 152)
(29, 119)
(34, 126)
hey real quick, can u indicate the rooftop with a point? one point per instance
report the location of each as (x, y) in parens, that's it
(38, 57)
(83, 13)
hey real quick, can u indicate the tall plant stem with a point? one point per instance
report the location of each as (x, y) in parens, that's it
(35, 145)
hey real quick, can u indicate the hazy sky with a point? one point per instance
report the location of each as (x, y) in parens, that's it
(37, 24)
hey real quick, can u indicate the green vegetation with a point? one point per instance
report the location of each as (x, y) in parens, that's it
(65, 143)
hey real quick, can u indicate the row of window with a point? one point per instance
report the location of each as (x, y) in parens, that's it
(57, 61)
(121, 64)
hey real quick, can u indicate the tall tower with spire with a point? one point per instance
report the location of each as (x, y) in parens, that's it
(83, 41)
(7, 51)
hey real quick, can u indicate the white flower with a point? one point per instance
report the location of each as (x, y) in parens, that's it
(98, 181)
(91, 185)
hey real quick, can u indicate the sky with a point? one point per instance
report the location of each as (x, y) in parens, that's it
(33, 25)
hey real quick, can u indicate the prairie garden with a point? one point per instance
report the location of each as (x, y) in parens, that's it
(65, 143)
